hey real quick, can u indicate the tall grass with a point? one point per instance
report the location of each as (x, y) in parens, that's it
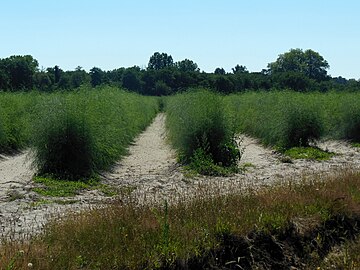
(288, 119)
(343, 110)
(282, 119)
(201, 130)
(16, 117)
(126, 236)
(86, 131)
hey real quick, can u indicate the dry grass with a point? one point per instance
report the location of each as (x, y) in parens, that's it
(129, 236)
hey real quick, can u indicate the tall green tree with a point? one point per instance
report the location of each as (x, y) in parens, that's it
(309, 63)
(4, 77)
(20, 71)
(79, 77)
(131, 80)
(160, 61)
(239, 69)
(187, 66)
(315, 65)
(220, 71)
(97, 76)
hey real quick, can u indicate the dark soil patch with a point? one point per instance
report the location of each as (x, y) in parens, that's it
(288, 249)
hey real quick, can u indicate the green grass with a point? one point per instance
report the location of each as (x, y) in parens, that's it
(201, 130)
(59, 188)
(127, 236)
(312, 153)
(55, 188)
(16, 118)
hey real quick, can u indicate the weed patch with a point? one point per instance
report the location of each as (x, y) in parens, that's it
(260, 229)
(311, 153)
(53, 187)
(59, 188)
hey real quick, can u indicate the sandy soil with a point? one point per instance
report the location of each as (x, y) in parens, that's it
(150, 172)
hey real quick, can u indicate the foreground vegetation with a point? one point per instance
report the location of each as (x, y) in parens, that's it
(205, 232)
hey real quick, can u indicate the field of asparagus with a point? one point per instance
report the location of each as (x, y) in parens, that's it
(86, 137)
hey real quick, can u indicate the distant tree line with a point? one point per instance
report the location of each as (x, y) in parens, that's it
(297, 70)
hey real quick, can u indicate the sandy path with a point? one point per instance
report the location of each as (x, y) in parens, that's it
(15, 174)
(150, 172)
(151, 165)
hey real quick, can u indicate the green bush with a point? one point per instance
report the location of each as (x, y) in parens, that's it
(200, 129)
(85, 132)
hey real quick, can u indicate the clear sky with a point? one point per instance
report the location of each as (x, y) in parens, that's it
(121, 33)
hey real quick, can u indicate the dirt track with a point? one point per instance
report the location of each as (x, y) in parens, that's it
(150, 171)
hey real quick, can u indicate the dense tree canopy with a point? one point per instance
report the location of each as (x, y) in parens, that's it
(160, 61)
(309, 63)
(220, 71)
(296, 69)
(187, 66)
(17, 72)
(239, 69)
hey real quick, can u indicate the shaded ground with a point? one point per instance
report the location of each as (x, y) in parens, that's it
(150, 172)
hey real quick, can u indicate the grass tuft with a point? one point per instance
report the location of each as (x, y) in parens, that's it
(311, 153)
(57, 188)
(51, 187)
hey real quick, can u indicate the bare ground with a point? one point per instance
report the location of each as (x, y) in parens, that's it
(151, 172)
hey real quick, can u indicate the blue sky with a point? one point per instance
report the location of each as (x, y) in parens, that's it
(109, 34)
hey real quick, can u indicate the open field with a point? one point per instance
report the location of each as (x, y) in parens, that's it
(185, 220)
